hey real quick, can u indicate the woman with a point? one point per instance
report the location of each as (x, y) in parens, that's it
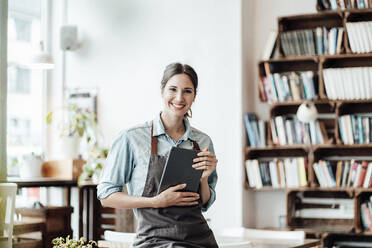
(137, 158)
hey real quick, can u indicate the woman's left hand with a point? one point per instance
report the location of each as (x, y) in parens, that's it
(205, 161)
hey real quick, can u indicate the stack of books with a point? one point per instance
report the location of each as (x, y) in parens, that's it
(290, 131)
(355, 129)
(278, 173)
(345, 4)
(288, 86)
(256, 130)
(347, 174)
(360, 36)
(310, 42)
(348, 83)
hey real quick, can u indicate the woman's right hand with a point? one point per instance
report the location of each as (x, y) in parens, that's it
(172, 197)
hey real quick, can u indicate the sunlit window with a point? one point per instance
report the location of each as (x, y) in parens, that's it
(25, 86)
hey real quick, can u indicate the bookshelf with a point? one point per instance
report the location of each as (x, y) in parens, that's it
(331, 103)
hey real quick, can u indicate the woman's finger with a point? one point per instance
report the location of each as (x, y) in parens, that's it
(203, 163)
(205, 153)
(187, 203)
(212, 158)
(177, 187)
(189, 194)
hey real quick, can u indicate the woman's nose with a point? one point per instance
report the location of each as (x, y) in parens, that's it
(179, 96)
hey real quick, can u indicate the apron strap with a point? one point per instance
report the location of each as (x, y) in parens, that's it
(154, 142)
(196, 146)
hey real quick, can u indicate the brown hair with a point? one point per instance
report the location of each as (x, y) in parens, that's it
(178, 68)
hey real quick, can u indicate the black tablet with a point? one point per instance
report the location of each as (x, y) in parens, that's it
(178, 170)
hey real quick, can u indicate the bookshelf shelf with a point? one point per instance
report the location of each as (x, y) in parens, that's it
(265, 188)
(285, 108)
(276, 151)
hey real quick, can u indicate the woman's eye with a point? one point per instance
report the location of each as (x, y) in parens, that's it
(173, 89)
(188, 91)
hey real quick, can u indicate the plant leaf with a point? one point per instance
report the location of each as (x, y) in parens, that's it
(49, 118)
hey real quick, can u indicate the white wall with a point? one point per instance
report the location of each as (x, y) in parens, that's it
(125, 46)
(262, 209)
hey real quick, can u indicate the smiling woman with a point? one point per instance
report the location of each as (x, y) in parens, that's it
(172, 218)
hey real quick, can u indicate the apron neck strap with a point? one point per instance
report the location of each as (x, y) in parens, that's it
(195, 144)
(154, 142)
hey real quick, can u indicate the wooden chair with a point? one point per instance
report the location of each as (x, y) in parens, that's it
(7, 205)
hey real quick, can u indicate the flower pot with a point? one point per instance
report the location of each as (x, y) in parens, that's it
(70, 147)
(30, 167)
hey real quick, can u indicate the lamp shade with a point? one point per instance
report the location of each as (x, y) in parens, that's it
(307, 112)
(42, 59)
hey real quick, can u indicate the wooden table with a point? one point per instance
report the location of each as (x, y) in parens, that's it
(44, 182)
(25, 227)
(307, 243)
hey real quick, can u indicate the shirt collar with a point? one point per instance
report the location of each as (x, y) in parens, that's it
(159, 128)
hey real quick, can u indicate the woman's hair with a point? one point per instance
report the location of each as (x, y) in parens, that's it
(178, 68)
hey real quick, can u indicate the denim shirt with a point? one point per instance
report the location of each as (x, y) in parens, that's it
(128, 159)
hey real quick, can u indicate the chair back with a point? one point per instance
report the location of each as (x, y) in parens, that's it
(7, 205)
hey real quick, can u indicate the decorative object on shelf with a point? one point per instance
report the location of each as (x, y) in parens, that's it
(93, 167)
(307, 112)
(67, 169)
(78, 123)
(73, 243)
(30, 165)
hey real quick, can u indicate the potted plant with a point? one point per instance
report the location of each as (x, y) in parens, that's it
(31, 165)
(77, 123)
(73, 243)
(93, 167)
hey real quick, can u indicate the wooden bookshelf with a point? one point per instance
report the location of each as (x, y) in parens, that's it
(332, 108)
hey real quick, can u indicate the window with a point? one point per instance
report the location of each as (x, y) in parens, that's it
(19, 80)
(25, 86)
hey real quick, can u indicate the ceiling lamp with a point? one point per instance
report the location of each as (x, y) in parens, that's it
(42, 59)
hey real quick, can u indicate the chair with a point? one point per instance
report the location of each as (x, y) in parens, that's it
(7, 205)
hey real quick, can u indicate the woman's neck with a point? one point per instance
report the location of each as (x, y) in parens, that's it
(173, 125)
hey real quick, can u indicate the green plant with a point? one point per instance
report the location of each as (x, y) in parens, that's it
(73, 243)
(79, 121)
(92, 169)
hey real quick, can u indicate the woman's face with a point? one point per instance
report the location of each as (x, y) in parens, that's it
(178, 95)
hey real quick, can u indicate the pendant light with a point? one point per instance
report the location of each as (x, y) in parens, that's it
(42, 59)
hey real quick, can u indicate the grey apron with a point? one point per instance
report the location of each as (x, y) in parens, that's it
(171, 226)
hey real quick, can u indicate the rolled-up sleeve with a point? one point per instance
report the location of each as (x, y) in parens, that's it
(118, 167)
(212, 181)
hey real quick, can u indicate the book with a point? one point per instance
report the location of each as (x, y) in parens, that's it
(178, 170)
(249, 172)
(339, 173)
(367, 179)
(270, 45)
(302, 171)
(363, 172)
